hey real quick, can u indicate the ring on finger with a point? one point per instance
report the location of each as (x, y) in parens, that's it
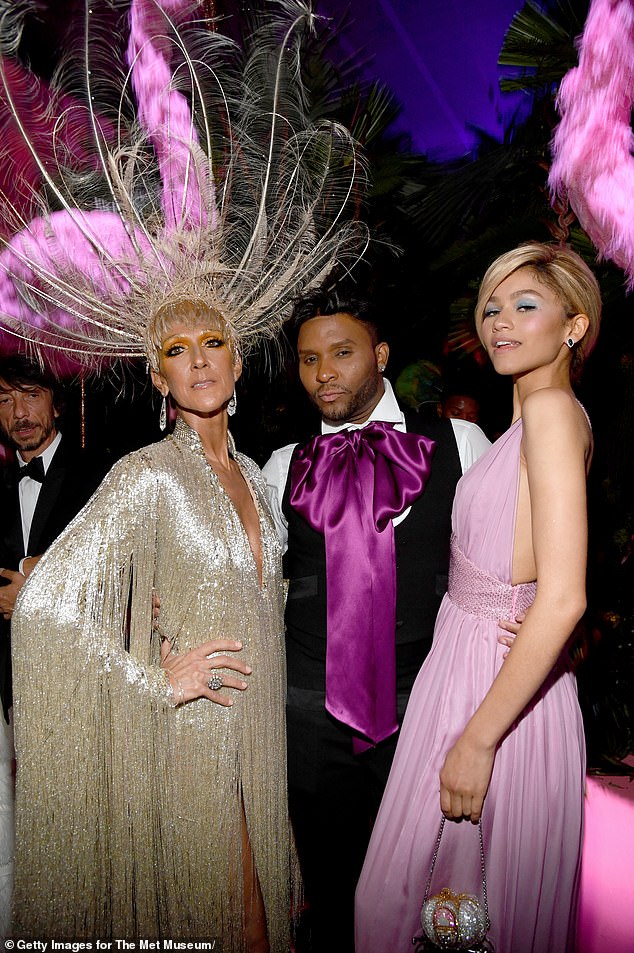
(215, 682)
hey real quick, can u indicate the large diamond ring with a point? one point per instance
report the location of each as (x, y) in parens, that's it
(214, 683)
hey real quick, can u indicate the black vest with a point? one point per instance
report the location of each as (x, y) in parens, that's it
(422, 561)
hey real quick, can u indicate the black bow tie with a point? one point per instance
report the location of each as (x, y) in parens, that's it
(34, 469)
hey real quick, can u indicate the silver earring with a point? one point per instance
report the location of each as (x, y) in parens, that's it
(570, 343)
(381, 368)
(233, 403)
(163, 414)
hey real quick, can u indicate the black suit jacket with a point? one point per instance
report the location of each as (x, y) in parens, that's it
(70, 480)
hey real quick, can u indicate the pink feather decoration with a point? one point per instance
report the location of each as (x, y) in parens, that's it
(166, 116)
(592, 147)
(61, 244)
(21, 178)
(64, 127)
(86, 243)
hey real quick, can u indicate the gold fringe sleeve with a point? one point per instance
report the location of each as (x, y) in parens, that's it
(79, 809)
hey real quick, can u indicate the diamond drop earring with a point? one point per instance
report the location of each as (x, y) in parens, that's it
(163, 413)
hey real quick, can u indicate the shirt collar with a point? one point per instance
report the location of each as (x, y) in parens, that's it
(47, 455)
(387, 411)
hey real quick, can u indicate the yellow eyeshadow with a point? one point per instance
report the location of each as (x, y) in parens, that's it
(184, 340)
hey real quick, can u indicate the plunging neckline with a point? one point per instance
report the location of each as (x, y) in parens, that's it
(185, 435)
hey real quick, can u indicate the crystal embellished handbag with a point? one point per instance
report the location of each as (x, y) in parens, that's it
(454, 921)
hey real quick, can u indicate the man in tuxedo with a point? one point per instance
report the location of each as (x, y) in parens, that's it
(364, 513)
(41, 492)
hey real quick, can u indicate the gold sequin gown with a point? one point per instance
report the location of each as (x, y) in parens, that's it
(129, 810)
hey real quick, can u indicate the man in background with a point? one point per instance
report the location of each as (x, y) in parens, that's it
(41, 492)
(460, 405)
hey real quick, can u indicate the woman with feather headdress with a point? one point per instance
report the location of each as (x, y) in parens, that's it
(151, 791)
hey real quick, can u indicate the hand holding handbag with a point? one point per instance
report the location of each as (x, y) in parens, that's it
(454, 921)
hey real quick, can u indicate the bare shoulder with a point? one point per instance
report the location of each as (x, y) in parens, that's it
(553, 407)
(548, 400)
(554, 416)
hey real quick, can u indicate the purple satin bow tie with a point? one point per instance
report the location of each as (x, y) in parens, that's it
(348, 486)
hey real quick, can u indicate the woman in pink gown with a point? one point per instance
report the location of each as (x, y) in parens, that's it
(482, 727)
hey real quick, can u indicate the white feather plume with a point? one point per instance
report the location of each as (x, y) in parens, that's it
(200, 177)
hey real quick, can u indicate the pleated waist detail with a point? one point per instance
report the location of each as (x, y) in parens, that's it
(477, 592)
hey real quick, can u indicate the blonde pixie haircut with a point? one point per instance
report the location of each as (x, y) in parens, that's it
(561, 270)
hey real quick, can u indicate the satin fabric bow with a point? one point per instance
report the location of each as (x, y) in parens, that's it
(348, 486)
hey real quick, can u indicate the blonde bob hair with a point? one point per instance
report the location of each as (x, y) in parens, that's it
(561, 270)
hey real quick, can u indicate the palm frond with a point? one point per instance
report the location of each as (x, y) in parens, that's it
(540, 44)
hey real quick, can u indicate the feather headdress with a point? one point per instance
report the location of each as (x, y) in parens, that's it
(205, 180)
(592, 149)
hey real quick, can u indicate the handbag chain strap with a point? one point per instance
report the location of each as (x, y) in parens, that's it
(482, 867)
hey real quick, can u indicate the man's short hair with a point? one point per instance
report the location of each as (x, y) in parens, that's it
(325, 302)
(21, 372)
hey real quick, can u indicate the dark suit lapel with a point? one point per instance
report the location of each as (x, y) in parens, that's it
(12, 539)
(47, 499)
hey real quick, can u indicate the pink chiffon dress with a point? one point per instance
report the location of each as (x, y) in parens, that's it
(533, 813)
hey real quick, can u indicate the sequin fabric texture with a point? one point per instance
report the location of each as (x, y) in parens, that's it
(129, 810)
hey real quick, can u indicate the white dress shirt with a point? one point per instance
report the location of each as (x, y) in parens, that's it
(29, 491)
(471, 442)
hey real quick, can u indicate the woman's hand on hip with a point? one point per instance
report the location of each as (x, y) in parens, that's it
(511, 629)
(195, 674)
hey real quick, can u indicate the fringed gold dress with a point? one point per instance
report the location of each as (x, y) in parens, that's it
(129, 810)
